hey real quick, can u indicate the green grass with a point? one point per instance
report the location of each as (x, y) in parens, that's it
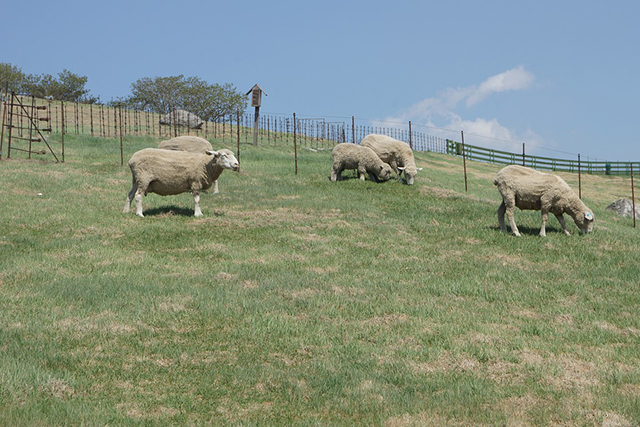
(299, 301)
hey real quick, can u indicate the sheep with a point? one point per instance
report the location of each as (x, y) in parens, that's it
(166, 172)
(395, 153)
(529, 189)
(193, 144)
(352, 156)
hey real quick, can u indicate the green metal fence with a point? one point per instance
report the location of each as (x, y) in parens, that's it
(481, 154)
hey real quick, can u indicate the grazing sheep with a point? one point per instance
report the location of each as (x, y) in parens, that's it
(166, 172)
(396, 153)
(193, 144)
(529, 189)
(352, 156)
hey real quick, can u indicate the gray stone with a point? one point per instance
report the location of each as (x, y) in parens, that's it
(624, 207)
(182, 118)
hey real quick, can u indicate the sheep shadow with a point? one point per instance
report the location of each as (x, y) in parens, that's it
(175, 210)
(354, 176)
(529, 231)
(168, 211)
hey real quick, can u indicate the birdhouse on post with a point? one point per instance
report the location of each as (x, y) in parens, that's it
(256, 99)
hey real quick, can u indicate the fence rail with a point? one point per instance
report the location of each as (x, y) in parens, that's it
(488, 155)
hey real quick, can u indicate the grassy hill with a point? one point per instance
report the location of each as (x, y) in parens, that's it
(299, 301)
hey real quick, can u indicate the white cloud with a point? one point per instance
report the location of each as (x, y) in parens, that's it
(440, 112)
(515, 79)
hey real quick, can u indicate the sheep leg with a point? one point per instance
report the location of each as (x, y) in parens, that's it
(336, 174)
(361, 172)
(563, 224)
(196, 200)
(509, 207)
(139, 195)
(215, 187)
(501, 211)
(127, 206)
(543, 228)
(398, 172)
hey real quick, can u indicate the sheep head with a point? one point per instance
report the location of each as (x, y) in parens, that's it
(409, 173)
(225, 159)
(384, 174)
(584, 221)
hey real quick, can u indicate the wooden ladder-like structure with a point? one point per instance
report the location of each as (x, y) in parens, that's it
(22, 122)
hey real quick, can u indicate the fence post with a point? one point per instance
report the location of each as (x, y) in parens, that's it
(295, 145)
(633, 198)
(410, 139)
(4, 113)
(238, 128)
(523, 154)
(121, 147)
(63, 130)
(353, 128)
(579, 178)
(464, 161)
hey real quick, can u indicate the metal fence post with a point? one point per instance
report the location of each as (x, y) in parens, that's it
(295, 144)
(633, 197)
(464, 161)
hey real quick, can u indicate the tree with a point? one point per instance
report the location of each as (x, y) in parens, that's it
(67, 87)
(70, 87)
(208, 101)
(11, 78)
(160, 94)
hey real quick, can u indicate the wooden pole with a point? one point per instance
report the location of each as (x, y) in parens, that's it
(353, 128)
(256, 118)
(410, 139)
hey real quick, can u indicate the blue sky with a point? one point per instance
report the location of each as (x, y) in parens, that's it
(560, 76)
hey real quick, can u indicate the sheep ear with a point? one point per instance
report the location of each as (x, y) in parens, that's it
(588, 216)
(212, 153)
(401, 168)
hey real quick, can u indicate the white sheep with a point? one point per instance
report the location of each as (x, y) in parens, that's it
(395, 153)
(166, 172)
(192, 144)
(363, 159)
(529, 189)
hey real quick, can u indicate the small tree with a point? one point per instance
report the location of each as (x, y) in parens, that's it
(208, 101)
(160, 94)
(67, 87)
(12, 78)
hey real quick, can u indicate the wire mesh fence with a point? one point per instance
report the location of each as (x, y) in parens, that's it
(101, 121)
